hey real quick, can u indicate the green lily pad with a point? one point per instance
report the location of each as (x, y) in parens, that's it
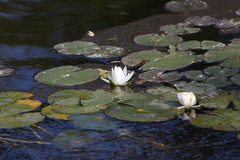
(235, 42)
(222, 120)
(157, 40)
(22, 120)
(195, 87)
(164, 93)
(236, 79)
(232, 62)
(77, 48)
(219, 55)
(205, 45)
(9, 97)
(196, 75)
(179, 29)
(186, 5)
(218, 81)
(141, 111)
(220, 99)
(93, 121)
(79, 101)
(89, 49)
(220, 71)
(201, 21)
(75, 138)
(189, 45)
(49, 112)
(108, 52)
(181, 59)
(137, 58)
(158, 76)
(66, 76)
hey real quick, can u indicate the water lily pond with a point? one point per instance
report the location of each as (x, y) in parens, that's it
(119, 79)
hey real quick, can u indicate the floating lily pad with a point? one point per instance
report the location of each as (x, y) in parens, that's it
(66, 76)
(141, 111)
(164, 93)
(195, 87)
(222, 120)
(189, 45)
(205, 45)
(218, 81)
(13, 105)
(234, 42)
(236, 79)
(108, 52)
(196, 75)
(220, 71)
(22, 120)
(228, 26)
(79, 101)
(219, 55)
(49, 112)
(137, 58)
(6, 72)
(93, 121)
(232, 62)
(201, 21)
(77, 48)
(159, 76)
(179, 29)
(181, 59)
(89, 49)
(220, 99)
(185, 6)
(157, 40)
(74, 138)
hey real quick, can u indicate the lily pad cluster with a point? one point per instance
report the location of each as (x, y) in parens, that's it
(179, 29)
(15, 107)
(89, 49)
(186, 5)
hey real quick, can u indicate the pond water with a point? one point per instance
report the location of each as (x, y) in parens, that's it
(29, 30)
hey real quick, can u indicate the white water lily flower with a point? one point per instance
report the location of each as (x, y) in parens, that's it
(118, 76)
(187, 99)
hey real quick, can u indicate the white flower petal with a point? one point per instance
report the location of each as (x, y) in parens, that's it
(187, 98)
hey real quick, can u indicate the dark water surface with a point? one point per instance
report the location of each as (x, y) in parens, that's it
(29, 29)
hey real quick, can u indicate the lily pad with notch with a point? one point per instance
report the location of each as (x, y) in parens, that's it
(157, 40)
(222, 120)
(179, 29)
(66, 76)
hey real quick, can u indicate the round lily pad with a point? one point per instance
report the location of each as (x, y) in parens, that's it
(93, 121)
(22, 120)
(179, 29)
(196, 75)
(189, 45)
(137, 58)
(79, 101)
(9, 97)
(74, 138)
(212, 45)
(220, 71)
(6, 72)
(181, 59)
(186, 5)
(218, 81)
(201, 21)
(205, 45)
(157, 40)
(222, 120)
(159, 76)
(232, 62)
(141, 111)
(49, 112)
(77, 48)
(219, 99)
(66, 76)
(236, 79)
(89, 49)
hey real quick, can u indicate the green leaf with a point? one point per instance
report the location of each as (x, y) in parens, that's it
(66, 76)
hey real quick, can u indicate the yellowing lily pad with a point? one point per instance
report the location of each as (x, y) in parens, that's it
(66, 76)
(222, 120)
(157, 40)
(49, 112)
